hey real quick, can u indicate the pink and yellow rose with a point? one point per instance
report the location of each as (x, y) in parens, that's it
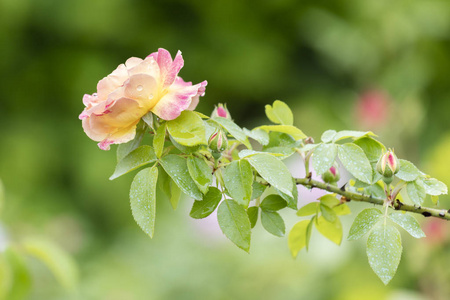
(132, 90)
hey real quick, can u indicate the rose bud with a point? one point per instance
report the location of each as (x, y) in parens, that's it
(218, 141)
(221, 111)
(131, 91)
(332, 175)
(388, 165)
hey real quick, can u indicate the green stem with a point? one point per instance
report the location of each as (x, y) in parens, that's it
(396, 204)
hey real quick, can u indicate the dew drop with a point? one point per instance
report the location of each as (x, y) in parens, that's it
(139, 88)
(150, 96)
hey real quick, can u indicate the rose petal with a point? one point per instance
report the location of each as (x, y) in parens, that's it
(174, 102)
(112, 82)
(123, 114)
(144, 89)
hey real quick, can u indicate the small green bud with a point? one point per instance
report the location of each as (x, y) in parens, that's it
(388, 165)
(218, 141)
(332, 175)
(221, 111)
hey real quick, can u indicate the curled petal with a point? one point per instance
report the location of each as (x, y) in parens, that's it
(177, 99)
(200, 93)
(169, 69)
(112, 82)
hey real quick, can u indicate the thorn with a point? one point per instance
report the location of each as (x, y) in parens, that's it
(426, 214)
(442, 214)
(343, 187)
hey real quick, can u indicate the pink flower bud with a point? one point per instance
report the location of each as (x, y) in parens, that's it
(332, 175)
(221, 111)
(218, 141)
(388, 165)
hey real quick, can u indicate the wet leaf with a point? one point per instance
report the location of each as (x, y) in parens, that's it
(238, 178)
(407, 222)
(364, 221)
(139, 157)
(408, 171)
(234, 223)
(176, 167)
(323, 157)
(202, 209)
(384, 250)
(273, 171)
(143, 199)
(188, 129)
(355, 161)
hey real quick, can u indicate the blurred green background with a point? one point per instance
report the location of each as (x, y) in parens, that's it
(344, 64)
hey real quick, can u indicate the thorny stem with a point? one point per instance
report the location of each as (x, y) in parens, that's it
(395, 204)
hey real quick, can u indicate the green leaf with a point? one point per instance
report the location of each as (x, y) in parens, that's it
(139, 157)
(407, 222)
(328, 213)
(233, 129)
(234, 223)
(124, 149)
(188, 129)
(202, 209)
(328, 136)
(281, 143)
(332, 202)
(273, 171)
(408, 171)
(434, 187)
(168, 187)
(176, 167)
(20, 284)
(372, 148)
(355, 161)
(364, 221)
(200, 172)
(330, 230)
(258, 135)
(296, 133)
(416, 191)
(272, 222)
(309, 231)
(257, 190)
(291, 200)
(238, 178)
(252, 213)
(158, 140)
(273, 203)
(384, 250)
(246, 153)
(143, 199)
(185, 149)
(61, 264)
(280, 113)
(323, 157)
(345, 134)
(308, 209)
(297, 237)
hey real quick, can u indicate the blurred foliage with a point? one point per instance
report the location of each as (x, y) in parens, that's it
(371, 65)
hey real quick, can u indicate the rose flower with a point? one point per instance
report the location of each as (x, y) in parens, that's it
(132, 90)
